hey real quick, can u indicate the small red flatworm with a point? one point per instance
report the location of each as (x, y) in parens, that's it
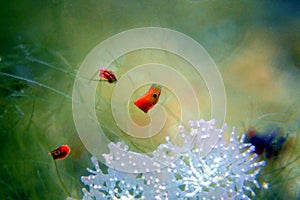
(61, 152)
(107, 75)
(148, 100)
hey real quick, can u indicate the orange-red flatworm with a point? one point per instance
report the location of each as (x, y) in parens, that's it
(148, 100)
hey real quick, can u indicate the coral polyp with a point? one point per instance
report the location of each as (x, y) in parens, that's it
(227, 171)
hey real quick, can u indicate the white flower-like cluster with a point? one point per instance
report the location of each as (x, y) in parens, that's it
(176, 171)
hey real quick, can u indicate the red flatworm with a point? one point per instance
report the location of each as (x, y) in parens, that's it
(107, 75)
(148, 100)
(61, 152)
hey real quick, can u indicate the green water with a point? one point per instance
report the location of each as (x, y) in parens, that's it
(255, 45)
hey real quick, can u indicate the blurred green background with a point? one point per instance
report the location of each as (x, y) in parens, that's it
(255, 45)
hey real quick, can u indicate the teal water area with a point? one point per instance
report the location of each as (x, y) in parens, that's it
(255, 45)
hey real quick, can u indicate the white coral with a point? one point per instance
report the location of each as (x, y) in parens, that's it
(179, 172)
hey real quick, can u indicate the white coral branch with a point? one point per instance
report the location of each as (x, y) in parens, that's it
(204, 166)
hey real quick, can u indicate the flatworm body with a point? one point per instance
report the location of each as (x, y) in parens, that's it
(148, 100)
(107, 75)
(61, 152)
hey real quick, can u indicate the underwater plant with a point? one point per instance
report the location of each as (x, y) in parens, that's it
(174, 171)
